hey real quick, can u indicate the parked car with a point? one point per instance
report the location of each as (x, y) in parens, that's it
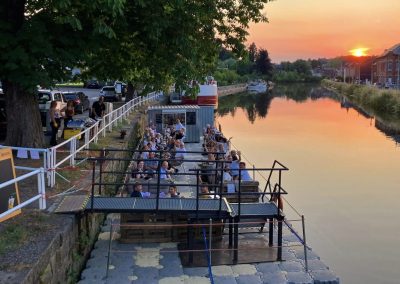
(81, 101)
(109, 94)
(93, 84)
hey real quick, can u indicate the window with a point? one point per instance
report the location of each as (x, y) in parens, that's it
(43, 98)
(389, 66)
(57, 97)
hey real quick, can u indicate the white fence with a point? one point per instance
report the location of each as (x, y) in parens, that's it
(41, 196)
(91, 134)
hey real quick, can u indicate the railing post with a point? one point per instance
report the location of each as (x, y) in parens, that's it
(48, 166)
(115, 116)
(305, 243)
(96, 132)
(53, 166)
(72, 150)
(42, 189)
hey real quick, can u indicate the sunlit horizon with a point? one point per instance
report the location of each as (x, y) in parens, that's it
(311, 29)
(359, 52)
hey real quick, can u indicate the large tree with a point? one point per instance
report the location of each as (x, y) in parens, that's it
(263, 62)
(156, 42)
(39, 40)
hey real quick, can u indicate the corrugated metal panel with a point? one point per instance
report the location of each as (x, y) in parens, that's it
(206, 116)
(171, 107)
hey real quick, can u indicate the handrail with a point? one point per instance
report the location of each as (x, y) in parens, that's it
(41, 196)
(97, 128)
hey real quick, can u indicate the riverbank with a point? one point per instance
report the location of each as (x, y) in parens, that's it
(383, 102)
(230, 90)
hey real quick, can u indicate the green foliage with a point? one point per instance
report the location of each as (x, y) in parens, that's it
(153, 42)
(298, 71)
(226, 77)
(381, 101)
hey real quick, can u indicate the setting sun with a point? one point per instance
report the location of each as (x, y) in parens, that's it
(358, 52)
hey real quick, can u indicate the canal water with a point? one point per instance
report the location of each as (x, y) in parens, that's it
(344, 173)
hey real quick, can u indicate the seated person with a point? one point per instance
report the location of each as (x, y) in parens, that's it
(179, 154)
(151, 164)
(173, 192)
(244, 174)
(226, 176)
(139, 171)
(145, 154)
(235, 164)
(164, 171)
(138, 192)
(179, 135)
(205, 192)
(178, 125)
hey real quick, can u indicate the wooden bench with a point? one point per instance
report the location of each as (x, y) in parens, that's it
(245, 187)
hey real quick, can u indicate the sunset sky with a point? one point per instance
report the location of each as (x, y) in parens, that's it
(326, 28)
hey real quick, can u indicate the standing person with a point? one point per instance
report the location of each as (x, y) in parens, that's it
(55, 120)
(98, 108)
(69, 113)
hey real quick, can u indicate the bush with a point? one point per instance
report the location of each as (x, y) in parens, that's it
(381, 101)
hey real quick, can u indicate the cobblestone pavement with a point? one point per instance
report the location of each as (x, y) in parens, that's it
(155, 263)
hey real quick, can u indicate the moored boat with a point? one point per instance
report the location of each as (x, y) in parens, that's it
(259, 86)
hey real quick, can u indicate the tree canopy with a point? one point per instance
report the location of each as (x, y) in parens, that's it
(154, 41)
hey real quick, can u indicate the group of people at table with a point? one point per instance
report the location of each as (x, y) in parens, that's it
(169, 150)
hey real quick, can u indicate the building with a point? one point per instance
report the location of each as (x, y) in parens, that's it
(357, 69)
(386, 68)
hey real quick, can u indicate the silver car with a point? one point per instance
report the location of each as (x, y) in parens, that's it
(109, 94)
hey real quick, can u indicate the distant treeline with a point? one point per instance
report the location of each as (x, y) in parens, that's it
(256, 64)
(384, 102)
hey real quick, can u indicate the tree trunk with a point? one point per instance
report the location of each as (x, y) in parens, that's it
(130, 92)
(24, 127)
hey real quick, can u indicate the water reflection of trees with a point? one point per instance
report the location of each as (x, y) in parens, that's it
(255, 105)
(302, 92)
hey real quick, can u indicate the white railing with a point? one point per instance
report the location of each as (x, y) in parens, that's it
(41, 196)
(45, 153)
(91, 134)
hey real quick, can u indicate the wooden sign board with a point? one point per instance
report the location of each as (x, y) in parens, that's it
(9, 195)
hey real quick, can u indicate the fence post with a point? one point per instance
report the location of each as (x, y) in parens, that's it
(115, 115)
(48, 166)
(87, 137)
(96, 132)
(72, 149)
(53, 166)
(42, 189)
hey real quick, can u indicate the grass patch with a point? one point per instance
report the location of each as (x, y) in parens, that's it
(71, 84)
(12, 236)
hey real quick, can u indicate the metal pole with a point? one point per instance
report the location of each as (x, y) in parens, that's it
(254, 173)
(197, 195)
(305, 243)
(93, 181)
(102, 154)
(109, 249)
(209, 240)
